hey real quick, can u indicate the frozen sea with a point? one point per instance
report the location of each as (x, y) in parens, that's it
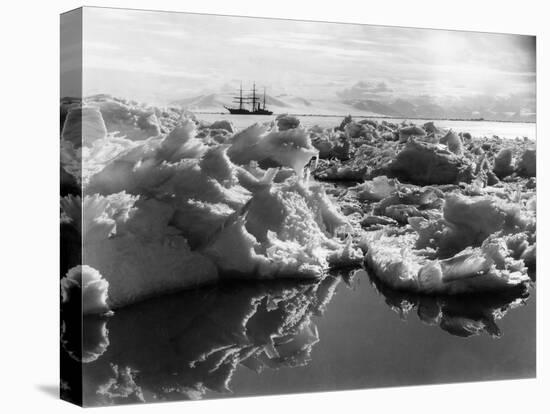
(509, 130)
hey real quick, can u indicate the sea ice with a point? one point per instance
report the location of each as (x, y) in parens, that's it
(126, 118)
(527, 165)
(174, 211)
(285, 122)
(288, 148)
(423, 163)
(503, 163)
(465, 251)
(410, 131)
(84, 283)
(488, 268)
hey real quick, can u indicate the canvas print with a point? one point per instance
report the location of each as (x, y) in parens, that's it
(256, 206)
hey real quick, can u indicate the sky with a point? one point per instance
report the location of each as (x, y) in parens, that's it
(158, 57)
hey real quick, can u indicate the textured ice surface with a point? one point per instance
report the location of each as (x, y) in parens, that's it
(126, 118)
(469, 250)
(170, 202)
(84, 283)
(288, 148)
(166, 211)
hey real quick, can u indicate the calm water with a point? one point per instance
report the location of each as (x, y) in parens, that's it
(508, 130)
(283, 337)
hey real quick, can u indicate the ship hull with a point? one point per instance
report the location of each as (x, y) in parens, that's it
(236, 111)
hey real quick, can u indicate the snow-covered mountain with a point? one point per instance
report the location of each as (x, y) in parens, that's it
(284, 103)
(212, 102)
(397, 108)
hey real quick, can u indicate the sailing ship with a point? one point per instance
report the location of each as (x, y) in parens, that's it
(254, 100)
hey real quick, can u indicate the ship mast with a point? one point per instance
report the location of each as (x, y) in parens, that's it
(255, 100)
(254, 97)
(241, 96)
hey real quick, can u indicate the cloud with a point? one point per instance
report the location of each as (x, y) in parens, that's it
(143, 65)
(439, 98)
(178, 52)
(365, 90)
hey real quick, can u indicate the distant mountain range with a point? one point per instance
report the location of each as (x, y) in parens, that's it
(398, 108)
(285, 103)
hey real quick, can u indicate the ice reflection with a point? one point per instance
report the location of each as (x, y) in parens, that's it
(190, 345)
(186, 345)
(462, 316)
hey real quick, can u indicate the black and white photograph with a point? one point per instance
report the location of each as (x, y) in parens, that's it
(256, 206)
(275, 207)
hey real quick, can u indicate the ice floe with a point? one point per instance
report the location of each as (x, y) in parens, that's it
(166, 211)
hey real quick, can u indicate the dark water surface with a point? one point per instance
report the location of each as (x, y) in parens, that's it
(248, 338)
(364, 343)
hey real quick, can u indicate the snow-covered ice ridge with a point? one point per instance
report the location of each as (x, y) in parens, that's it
(168, 203)
(164, 202)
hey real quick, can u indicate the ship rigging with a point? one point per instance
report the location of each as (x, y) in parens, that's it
(256, 103)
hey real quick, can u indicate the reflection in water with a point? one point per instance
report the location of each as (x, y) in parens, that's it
(189, 345)
(183, 346)
(458, 315)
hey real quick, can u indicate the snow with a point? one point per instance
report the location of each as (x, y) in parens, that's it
(86, 285)
(172, 203)
(376, 189)
(471, 249)
(125, 118)
(289, 148)
(173, 210)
